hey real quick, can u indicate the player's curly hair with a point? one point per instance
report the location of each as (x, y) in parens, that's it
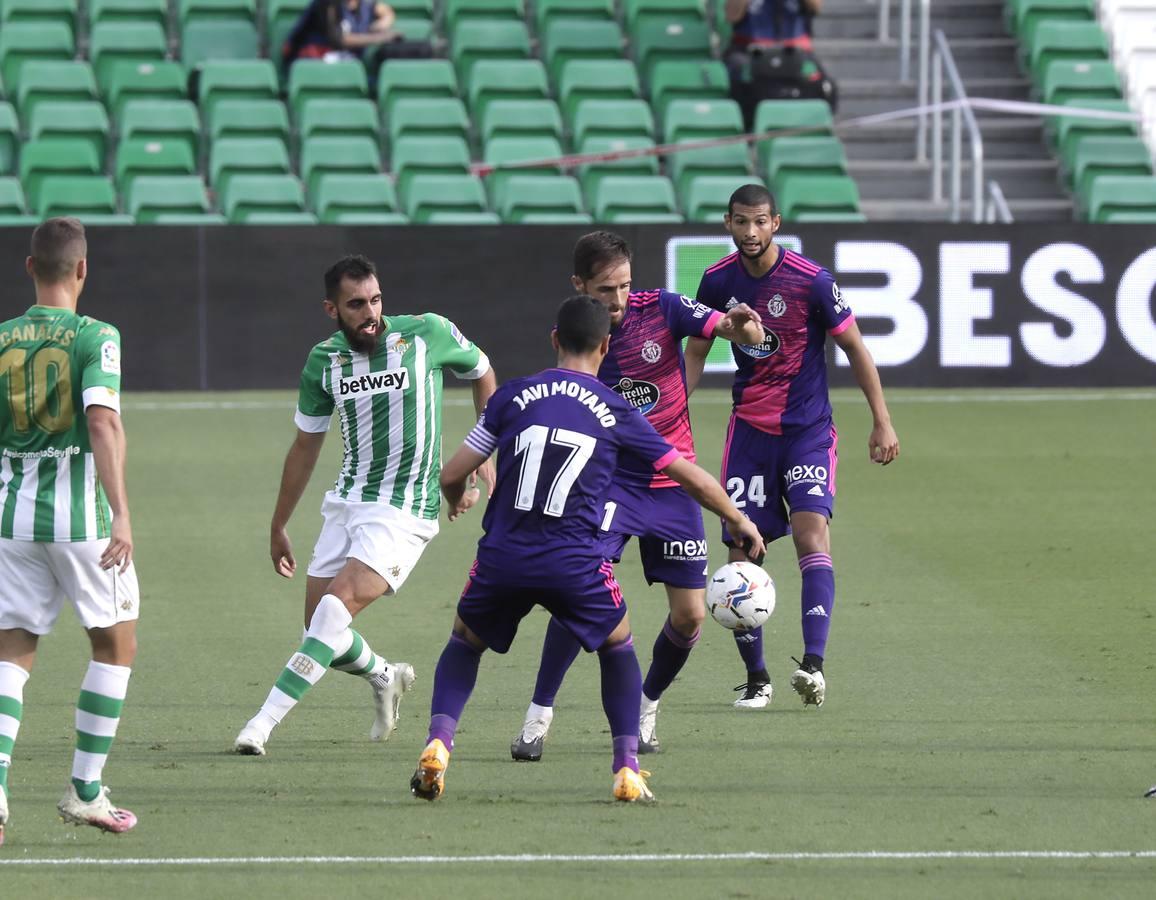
(752, 195)
(583, 323)
(355, 267)
(58, 245)
(597, 250)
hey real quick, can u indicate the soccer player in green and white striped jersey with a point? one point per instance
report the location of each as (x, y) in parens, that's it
(383, 377)
(64, 523)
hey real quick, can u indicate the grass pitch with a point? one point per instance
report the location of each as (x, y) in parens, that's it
(991, 689)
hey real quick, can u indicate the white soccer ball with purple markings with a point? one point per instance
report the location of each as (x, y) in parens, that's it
(740, 596)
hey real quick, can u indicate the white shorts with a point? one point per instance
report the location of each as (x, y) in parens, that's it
(37, 577)
(383, 537)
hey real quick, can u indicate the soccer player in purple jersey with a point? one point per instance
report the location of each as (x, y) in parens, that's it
(644, 365)
(781, 442)
(560, 434)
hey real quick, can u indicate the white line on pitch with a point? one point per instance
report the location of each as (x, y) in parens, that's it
(533, 858)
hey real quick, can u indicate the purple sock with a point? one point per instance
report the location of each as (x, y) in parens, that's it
(818, 601)
(559, 650)
(750, 644)
(621, 699)
(671, 651)
(454, 680)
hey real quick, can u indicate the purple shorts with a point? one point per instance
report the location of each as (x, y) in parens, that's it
(768, 474)
(588, 603)
(668, 525)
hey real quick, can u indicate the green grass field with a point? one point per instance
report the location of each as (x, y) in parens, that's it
(991, 689)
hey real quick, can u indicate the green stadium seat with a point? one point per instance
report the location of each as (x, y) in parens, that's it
(458, 11)
(809, 117)
(612, 118)
(217, 39)
(434, 198)
(41, 81)
(521, 118)
(150, 196)
(247, 195)
(249, 119)
(1066, 80)
(414, 29)
(420, 79)
(337, 117)
(706, 197)
(565, 40)
(816, 193)
(216, 10)
(40, 159)
(703, 79)
(274, 217)
(1069, 130)
(143, 81)
(9, 137)
(414, 9)
(341, 199)
(665, 11)
(445, 116)
(572, 11)
(829, 216)
(76, 195)
(598, 79)
(485, 39)
(87, 120)
(129, 11)
(655, 40)
(527, 195)
(1072, 41)
(114, 42)
(635, 199)
(1095, 156)
(231, 157)
(519, 149)
(1021, 16)
(12, 201)
(591, 174)
(22, 41)
(161, 120)
(136, 158)
(353, 155)
(731, 160)
(313, 79)
(252, 79)
(462, 217)
(189, 219)
(412, 156)
(1113, 197)
(697, 120)
(787, 156)
(280, 17)
(38, 12)
(520, 79)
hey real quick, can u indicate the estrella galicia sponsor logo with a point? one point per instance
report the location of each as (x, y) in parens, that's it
(769, 346)
(805, 475)
(691, 549)
(642, 395)
(374, 383)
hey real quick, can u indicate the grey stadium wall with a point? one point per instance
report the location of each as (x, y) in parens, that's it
(942, 306)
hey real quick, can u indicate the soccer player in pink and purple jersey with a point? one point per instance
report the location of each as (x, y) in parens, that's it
(645, 366)
(780, 451)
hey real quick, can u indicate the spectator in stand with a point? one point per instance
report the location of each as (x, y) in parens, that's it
(349, 29)
(770, 56)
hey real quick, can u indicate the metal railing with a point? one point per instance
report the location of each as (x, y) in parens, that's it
(961, 115)
(997, 210)
(904, 37)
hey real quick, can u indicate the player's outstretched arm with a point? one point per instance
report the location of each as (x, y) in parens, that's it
(295, 474)
(741, 325)
(457, 480)
(701, 485)
(695, 355)
(106, 434)
(484, 388)
(883, 444)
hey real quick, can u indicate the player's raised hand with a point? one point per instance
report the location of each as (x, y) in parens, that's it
(746, 535)
(883, 444)
(487, 473)
(470, 496)
(281, 552)
(119, 549)
(742, 323)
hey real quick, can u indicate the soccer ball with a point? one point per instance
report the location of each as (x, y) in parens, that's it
(740, 596)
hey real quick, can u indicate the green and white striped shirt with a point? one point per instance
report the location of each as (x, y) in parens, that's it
(54, 364)
(389, 405)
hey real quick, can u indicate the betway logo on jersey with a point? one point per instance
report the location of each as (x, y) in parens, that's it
(642, 395)
(768, 347)
(805, 475)
(374, 383)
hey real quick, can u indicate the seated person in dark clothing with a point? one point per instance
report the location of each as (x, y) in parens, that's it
(770, 56)
(340, 29)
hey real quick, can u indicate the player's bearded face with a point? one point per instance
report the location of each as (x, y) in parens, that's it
(610, 286)
(359, 316)
(752, 229)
